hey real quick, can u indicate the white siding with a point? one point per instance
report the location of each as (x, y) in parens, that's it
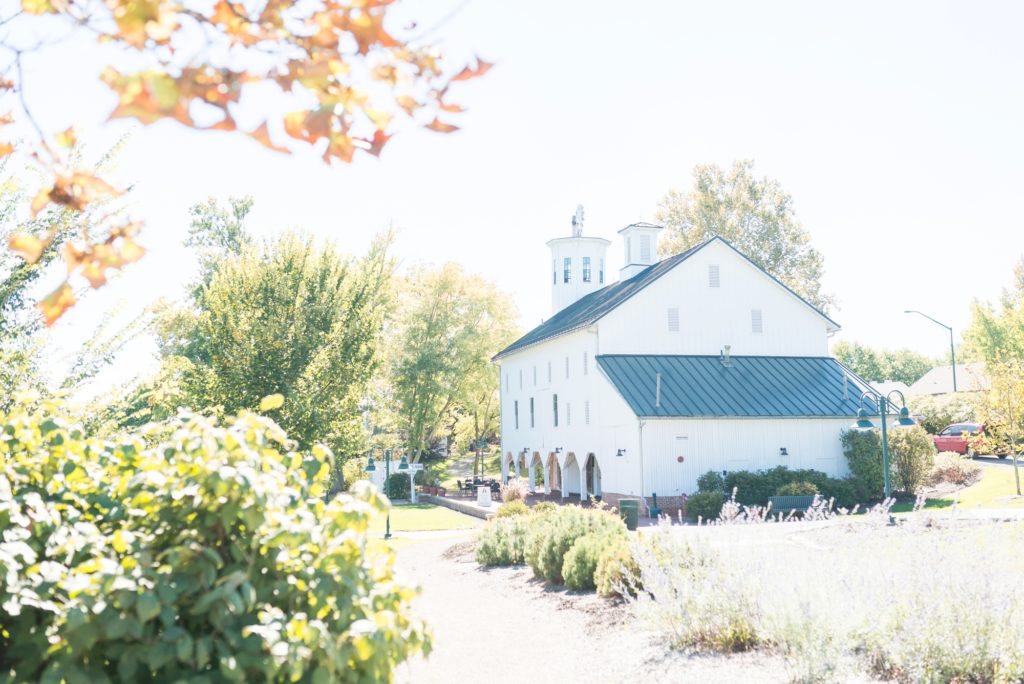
(737, 444)
(710, 318)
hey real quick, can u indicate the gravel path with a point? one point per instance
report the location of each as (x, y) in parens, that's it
(500, 625)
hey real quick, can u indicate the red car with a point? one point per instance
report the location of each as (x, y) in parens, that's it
(962, 438)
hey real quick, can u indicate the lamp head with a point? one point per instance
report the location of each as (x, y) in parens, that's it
(404, 463)
(620, 453)
(863, 422)
(370, 466)
(905, 420)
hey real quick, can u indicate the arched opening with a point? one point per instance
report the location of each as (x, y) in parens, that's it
(535, 476)
(593, 470)
(570, 476)
(553, 474)
(508, 466)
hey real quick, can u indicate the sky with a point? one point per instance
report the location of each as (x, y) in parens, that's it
(896, 128)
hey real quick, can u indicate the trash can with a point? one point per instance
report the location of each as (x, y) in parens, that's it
(629, 509)
(483, 496)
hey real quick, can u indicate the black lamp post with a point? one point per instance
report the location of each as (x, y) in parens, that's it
(402, 466)
(952, 354)
(882, 403)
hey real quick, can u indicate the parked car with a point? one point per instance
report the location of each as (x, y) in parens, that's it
(962, 438)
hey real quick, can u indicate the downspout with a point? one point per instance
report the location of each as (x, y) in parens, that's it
(640, 422)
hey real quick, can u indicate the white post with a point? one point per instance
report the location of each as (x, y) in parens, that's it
(533, 476)
(561, 480)
(547, 479)
(504, 469)
(412, 487)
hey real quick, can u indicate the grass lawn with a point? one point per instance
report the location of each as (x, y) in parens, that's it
(420, 517)
(908, 506)
(996, 484)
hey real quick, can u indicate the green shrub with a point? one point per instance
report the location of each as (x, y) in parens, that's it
(398, 486)
(801, 488)
(936, 413)
(617, 571)
(706, 505)
(544, 507)
(863, 451)
(192, 551)
(353, 470)
(912, 455)
(711, 481)
(512, 508)
(553, 534)
(502, 541)
(581, 561)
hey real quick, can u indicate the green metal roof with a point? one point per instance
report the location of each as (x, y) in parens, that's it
(749, 387)
(595, 305)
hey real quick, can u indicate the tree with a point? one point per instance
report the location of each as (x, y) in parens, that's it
(755, 215)
(1001, 410)
(347, 71)
(449, 327)
(901, 365)
(996, 332)
(287, 317)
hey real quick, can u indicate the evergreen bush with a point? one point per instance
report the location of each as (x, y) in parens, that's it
(863, 451)
(502, 541)
(511, 508)
(617, 571)
(912, 454)
(580, 562)
(711, 481)
(705, 505)
(801, 488)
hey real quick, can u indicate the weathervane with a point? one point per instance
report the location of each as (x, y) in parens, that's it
(577, 222)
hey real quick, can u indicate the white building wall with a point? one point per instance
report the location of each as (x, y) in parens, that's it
(737, 444)
(612, 424)
(711, 317)
(576, 249)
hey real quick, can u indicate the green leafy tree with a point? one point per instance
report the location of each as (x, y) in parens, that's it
(754, 214)
(450, 325)
(996, 331)
(286, 317)
(1001, 409)
(902, 365)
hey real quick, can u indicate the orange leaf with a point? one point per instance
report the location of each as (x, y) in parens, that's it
(95, 272)
(262, 135)
(131, 251)
(6, 149)
(41, 199)
(56, 303)
(482, 68)
(29, 247)
(67, 138)
(441, 126)
(453, 108)
(380, 138)
(408, 103)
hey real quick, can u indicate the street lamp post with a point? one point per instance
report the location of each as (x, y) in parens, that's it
(882, 403)
(402, 466)
(952, 353)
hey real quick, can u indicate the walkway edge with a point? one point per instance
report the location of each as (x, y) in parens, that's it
(461, 506)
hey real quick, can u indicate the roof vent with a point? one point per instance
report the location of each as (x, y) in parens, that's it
(657, 390)
(726, 356)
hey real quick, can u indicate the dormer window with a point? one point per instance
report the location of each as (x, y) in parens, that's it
(600, 271)
(566, 269)
(586, 269)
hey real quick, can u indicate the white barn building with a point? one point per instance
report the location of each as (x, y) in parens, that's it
(701, 361)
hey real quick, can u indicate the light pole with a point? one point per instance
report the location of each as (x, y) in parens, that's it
(952, 354)
(882, 403)
(402, 466)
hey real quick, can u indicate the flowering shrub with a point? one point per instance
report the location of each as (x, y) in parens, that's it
(953, 468)
(196, 551)
(515, 489)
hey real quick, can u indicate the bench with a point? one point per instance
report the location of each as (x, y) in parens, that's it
(790, 504)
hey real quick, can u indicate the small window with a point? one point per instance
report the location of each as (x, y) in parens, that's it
(568, 413)
(531, 412)
(673, 319)
(554, 407)
(645, 249)
(566, 367)
(586, 364)
(534, 376)
(515, 412)
(629, 249)
(566, 268)
(713, 278)
(520, 378)
(586, 269)
(586, 412)
(756, 322)
(549, 372)
(600, 271)
(554, 272)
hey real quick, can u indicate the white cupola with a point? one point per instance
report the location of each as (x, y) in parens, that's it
(640, 247)
(577, 265)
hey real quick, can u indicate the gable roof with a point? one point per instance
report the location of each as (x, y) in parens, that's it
(970, 377)
(587, 310)
(751, 387)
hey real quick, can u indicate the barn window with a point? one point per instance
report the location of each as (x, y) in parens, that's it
(549, 372)
(673, 319)
(534, 376)
(566, 268)
(515, 412)
(756, 321)
(531, 412)
(554, 272)
(600, 271)
(520, 378)
(554, 407)
(586, 269)
(713, 277)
